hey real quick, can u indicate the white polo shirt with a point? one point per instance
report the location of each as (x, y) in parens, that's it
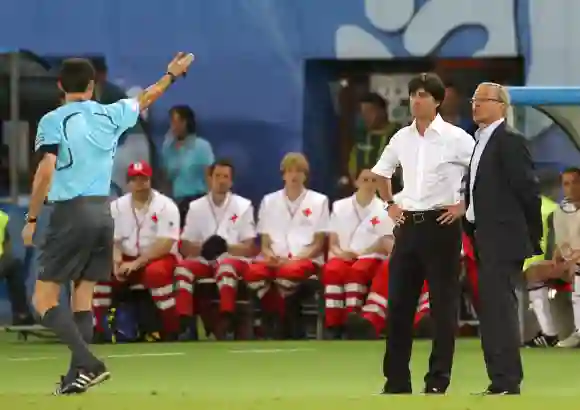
(292, 225)
(136, 230)
(358, 228)
(233, 220)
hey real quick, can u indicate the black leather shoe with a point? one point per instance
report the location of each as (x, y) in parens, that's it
(494, 391)
(433, 390)
(358, 328)
(391, 390)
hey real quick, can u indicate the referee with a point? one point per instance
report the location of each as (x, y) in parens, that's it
(77, 142)
(434, 155)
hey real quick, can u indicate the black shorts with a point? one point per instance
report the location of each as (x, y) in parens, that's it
(78, 244)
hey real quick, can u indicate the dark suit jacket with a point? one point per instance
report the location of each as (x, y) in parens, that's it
(506, 195)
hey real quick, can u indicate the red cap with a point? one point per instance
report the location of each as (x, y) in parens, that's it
(139, 168)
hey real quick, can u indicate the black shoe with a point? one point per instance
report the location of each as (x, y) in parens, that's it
(187, 329)
(86, 380)
(542, 340)
(494, 391)
(433, 390)
(334, 333)
(59, 387)
(391, 390)
(23, 320)
(358, 328)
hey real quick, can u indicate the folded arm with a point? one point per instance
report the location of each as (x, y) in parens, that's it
(160, 248)
(314, 249)
(266, 247)
(190, 249)
(383, 246)
(245, 248)
(334, 244)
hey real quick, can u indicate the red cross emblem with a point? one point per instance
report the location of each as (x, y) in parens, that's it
(154, 218)
(307, 212)
(234, 218)
(375, 221)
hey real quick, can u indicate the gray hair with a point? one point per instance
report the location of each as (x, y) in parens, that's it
(502, 94)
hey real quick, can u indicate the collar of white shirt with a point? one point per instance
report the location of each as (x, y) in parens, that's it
(436, 125)
(487, 131)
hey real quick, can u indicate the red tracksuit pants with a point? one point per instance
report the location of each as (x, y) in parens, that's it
(226, 272)
(157, 276)
(272, 285)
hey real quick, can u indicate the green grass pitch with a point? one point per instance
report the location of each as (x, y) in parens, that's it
(272, 375)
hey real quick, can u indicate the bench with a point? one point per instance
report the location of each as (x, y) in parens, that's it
(312, 309)
(24, 331)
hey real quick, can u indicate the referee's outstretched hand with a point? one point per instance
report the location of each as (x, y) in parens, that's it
(180, 63)
(452, 213)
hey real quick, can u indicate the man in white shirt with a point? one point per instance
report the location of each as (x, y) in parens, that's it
(361, 238)
(292, 225)
(218, 241)
(145, 251)
(434, 156)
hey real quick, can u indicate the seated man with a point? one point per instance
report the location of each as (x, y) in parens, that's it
(292, 223)
(372, 321)
(217, 241)
(361, 238)
(542, 275)
(11, 269)
(146, 235)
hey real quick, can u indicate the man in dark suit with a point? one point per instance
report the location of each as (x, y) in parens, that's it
(504, 218)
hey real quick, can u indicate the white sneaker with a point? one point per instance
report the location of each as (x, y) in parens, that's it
(571, 341)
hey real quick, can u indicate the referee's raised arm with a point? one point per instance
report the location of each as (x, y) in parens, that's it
(176, 68)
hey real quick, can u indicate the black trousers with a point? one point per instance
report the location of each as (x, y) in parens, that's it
(498, 319)
(424, 249)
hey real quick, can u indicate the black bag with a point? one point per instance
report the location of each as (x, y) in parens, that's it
(213, 247)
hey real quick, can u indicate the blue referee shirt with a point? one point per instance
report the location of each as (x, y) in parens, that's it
(84, 137)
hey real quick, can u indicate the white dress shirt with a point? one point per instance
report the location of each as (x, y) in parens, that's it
(433, 164)
(482, 137)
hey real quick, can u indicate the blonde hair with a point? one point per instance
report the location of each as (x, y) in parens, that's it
(295, 160)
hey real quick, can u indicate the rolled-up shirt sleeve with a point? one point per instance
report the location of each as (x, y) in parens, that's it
(389, 160)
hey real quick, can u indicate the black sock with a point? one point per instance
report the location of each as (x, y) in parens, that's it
(84, 322)
(61, 322)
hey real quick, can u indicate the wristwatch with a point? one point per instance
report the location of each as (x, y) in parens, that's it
(389, 203)
(172, 76)
(30, 219)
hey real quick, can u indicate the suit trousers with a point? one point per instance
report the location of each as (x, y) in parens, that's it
(424, 249)
(498, 319)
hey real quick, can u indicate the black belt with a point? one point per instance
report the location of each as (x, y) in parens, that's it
(83, 199)
(418, 217)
